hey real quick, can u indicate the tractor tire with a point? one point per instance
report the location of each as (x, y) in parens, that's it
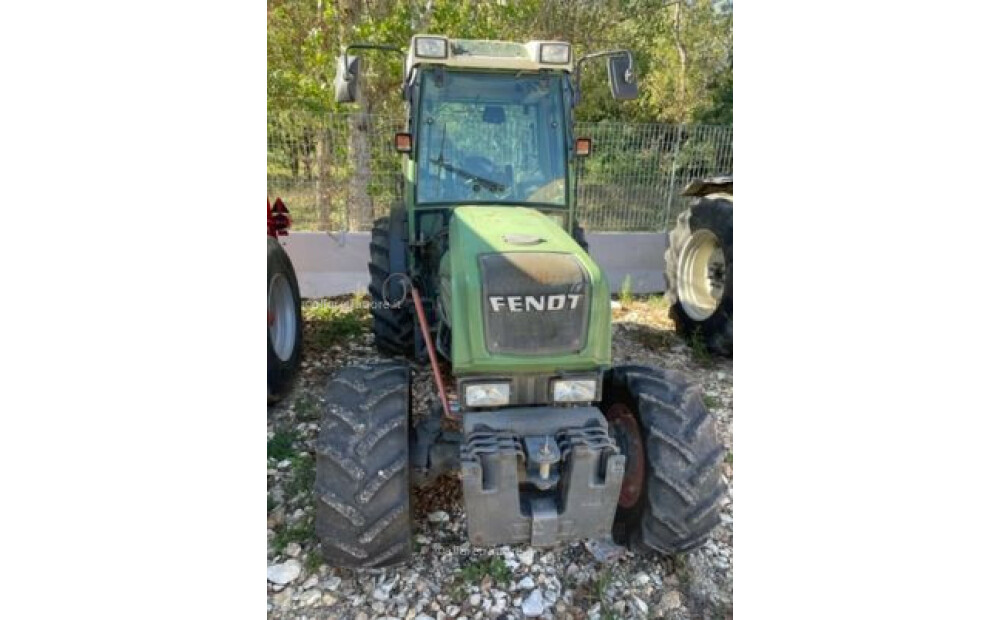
(284, 322)
(672, 487)
(362, 467)
(699, 273)
(580, 236)
(392, 317)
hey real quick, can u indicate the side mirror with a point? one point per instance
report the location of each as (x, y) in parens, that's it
(345, 84)
(622, 78)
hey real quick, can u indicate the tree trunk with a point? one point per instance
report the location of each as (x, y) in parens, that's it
(683, 56)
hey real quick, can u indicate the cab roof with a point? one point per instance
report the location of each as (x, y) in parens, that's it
(473, 53)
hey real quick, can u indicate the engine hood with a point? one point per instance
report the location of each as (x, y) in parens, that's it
(552, 312)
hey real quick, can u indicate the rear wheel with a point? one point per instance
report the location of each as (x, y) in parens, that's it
(284, 322)
(672, 484)
(362, 467)
(580, 236)
(699, 273)
(392, 319)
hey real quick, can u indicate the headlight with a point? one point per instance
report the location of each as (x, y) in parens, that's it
(431, 47)
(554, 53)
(574, 390)
(487, 394)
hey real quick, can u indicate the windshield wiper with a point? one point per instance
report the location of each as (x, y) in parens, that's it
(489, 184)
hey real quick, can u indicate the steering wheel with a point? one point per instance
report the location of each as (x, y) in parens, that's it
(478, 165)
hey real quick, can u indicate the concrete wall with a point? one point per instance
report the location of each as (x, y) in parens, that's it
(329, 264)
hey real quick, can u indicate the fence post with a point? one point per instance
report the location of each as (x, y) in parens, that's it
(673, 175)
(323, 183)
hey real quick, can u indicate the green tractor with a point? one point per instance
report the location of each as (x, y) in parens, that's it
(484, 272)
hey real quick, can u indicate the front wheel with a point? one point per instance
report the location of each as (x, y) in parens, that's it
(362, 467)
(672, 486)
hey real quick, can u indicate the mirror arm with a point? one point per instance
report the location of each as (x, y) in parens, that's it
(368, 46)
(579, 64)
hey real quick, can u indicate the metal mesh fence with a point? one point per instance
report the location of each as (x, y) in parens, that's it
(339, 172)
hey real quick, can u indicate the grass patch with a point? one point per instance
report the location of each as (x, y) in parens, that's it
(329, 322)
(601, 584)
(303, 474)
(495, 567)
(682, 571)
(699, 349)
(625, 295)
(301, 532)
(656, 339)
(711, 402)
(306, 408)
(597, 592)
(314, 560)
(729, 457)
(660, 302)
(279, 447)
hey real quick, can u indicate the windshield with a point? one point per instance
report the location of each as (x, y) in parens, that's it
(491, 137)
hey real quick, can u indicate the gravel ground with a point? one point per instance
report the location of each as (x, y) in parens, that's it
(449, 578)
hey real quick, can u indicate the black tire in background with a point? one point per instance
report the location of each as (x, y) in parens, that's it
(362, 467)
(580, 236)
(711, 214)
(284, 328)
(675, 460)
(392, 317)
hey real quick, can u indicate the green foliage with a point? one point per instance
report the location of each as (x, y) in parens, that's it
(495, 567)
(303, 474)
(279, 446)
(301, 532)
(699, 350)
(306, 408)
(711, 402)
(625, 296)
(683, 50)
(329, 323)
(314, 560)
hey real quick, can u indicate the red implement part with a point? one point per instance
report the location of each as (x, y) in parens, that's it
(278, 219)
(625, 430)
(425, 330)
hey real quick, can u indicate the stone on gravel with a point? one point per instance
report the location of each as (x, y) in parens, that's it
(640, 606)
(527, 557)
(474, 600)
(438, 516)
(671, 600)
(533, 606)
(525, 584)
(293, 549)
(604, 551)
(284, 573)
(332, 583)
(311, 597)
